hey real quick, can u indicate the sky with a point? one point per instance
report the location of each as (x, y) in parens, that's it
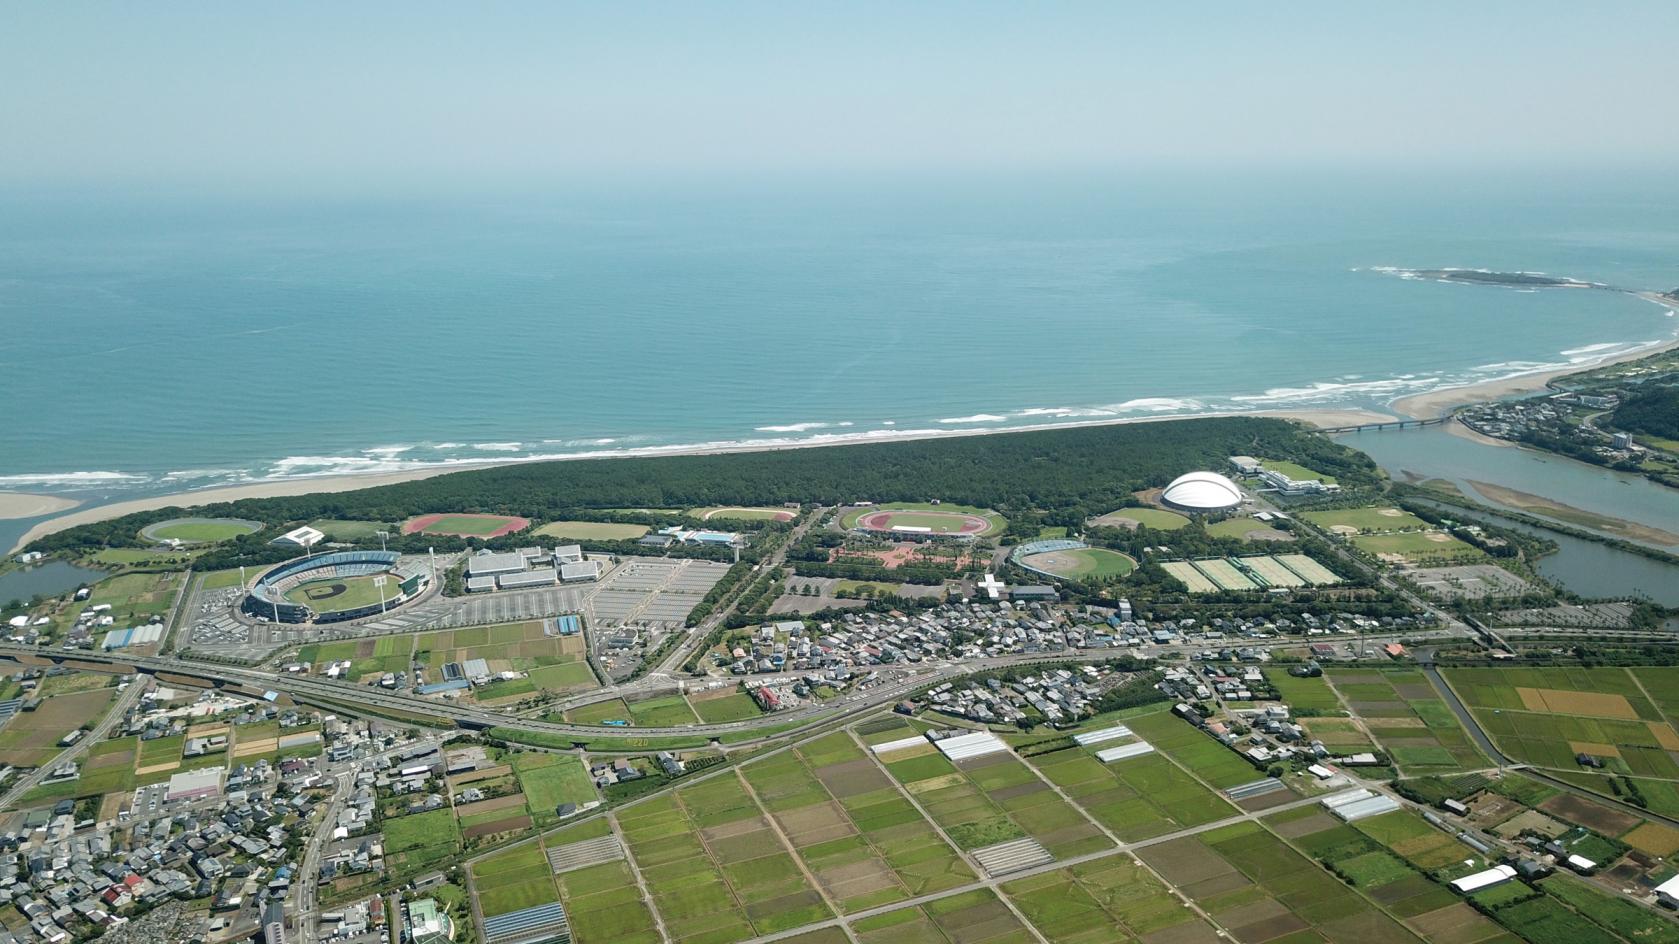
(369, 91)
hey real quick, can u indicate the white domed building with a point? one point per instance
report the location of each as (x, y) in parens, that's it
(1202, 492)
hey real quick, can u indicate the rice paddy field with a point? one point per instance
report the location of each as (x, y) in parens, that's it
(1408, 718)
(1135, 798)
(1546, 716)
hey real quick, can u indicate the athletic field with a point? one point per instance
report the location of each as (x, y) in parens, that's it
(1353, 520)
(1083, 562)
(199, 530)
(592, 530)
(466, 526)
(925, 518)
(743, 514)
(332, 594)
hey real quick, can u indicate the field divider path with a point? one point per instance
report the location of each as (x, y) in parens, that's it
(993, 883)
(635, 871)
(969, 859)
(793, 851)
(716, 863)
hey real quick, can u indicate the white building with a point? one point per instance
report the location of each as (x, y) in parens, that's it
(304, 537)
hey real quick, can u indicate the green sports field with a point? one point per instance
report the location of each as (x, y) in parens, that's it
(1416, 546)
(199, 530)
(1296, 471)
(1365, 519)
(940, 519)
(732, 513)
(1156, 518)
(332, 594)
(592, 530)
(1086, 562)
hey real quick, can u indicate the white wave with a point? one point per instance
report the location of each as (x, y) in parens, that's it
(387, 450)
(498, 446)
(190, 474)
(791, 428)
(1516, 367)
(976, 418)
(1157, 405)
(69, 478)
(895, 422)
(1324, 391)
(1065, 412)
(442, 446)
(1592, 348)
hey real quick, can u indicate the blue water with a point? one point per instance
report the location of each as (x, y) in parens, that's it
(171, 340)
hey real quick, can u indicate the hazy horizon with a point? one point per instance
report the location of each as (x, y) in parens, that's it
(383, 94)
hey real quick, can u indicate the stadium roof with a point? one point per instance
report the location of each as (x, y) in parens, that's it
(301, 537)
(1202, 491)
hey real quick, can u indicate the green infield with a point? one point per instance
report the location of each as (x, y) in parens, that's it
(1157, 518)
(334, 594)
(343, 530)
(1415, 547)
(731, 513)
(592, 530)
(1351, 520)
(1097, 562)
(199, 530)
(466, 525)
(924, 517)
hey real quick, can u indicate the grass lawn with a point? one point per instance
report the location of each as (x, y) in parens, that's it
(222, 579)
(736, 706)
(1295, 471)
(466, 525)
(565, 677)
(1235, 527)
(1365, 519)
(599, 712)
(874, 587)
(1313, 693)
(551, 779)
(592, 530)
(663, 712)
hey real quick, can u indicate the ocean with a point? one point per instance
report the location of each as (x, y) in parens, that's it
(176, 340)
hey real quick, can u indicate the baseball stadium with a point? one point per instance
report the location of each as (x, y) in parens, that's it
(333, 588)
(1071, 560)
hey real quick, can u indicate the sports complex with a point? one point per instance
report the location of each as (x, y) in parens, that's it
(923, 521)
(466, 525)
(198, 530)
(332, 588)
(1071, 560)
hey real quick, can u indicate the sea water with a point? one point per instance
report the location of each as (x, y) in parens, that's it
(174, 340)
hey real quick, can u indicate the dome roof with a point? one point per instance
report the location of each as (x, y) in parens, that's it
(1202, 491)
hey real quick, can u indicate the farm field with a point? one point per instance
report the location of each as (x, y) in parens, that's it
(1547, 716)
(1408, 719)
(1308, 693)
(31, 738)
(666, 712)
(731, 706)
(992, 799)
(592, 530)
(137, 597)
(1350, 520)
(1135, 798)
(599, 712)
(1157, 518)
(551, 779)
(1204, 757)
(551, 663)
(1089, 903)
(420, 840)
(977, 916)
(1259, 889)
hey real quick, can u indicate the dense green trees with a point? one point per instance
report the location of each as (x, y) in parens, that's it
(1653, 412)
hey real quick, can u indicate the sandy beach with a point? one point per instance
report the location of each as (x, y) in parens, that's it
(21, 505)
(1440, 402)
(346, 483)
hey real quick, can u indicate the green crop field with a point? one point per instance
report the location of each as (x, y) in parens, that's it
(1408, 719)
(199, 530)
(612, 709)
(332, 594)
(551, 779)
(669, 711)
(735, 706)
(592, 530)
(1087, 562)
(1311, 693)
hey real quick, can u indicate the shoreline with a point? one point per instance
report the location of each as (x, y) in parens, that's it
(14, 505)
(1437, 403)
(346, 483)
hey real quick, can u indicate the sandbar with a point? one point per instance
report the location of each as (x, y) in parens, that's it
(23, 505)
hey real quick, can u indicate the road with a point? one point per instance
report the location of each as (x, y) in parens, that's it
(304, 909)
(31, 780)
